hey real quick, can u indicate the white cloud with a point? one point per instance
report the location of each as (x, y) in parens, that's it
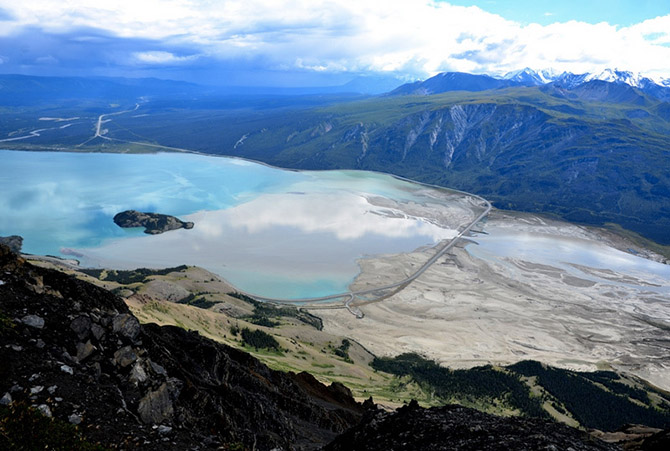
(419, 37)
(160, 57)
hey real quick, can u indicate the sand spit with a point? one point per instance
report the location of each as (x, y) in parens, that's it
(466, 311)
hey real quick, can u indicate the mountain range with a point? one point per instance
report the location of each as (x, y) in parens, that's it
(459, 81)
(540, 77)
(22, 90)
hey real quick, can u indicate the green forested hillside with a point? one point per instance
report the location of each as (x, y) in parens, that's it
(602, 400)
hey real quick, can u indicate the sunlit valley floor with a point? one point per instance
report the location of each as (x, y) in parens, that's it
(475, 308)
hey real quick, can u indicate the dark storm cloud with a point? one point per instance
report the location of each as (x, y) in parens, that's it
(92, 50)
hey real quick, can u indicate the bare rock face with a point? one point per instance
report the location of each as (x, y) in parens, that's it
(153, 223)
(84, 350)
(124, 356)
(33, 321)
(81, 326)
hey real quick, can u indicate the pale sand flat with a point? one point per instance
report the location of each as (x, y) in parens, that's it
(465, 311)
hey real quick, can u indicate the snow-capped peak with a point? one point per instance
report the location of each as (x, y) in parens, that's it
(662, 81)
(529, 75)
(653, 85)
(619, 76)
(540, 77)
(569, 80)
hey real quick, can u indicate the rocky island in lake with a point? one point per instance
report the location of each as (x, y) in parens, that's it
(153, 223)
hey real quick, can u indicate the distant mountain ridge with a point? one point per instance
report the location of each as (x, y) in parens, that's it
(461, 81)
(531, 77)
(22, 90)
(544, 76)
(454, 81)
(18, 90)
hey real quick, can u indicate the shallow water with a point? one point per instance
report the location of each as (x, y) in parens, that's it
(272, 232)
(572, 255)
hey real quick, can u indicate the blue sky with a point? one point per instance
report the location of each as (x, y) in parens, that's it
(327, 42)
(545, 12)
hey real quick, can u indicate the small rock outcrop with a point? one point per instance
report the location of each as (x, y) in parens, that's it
(126, 325)
(13, 242)
(153, 223)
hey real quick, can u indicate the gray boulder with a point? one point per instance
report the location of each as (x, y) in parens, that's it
(156, 406)
(126, 325)
(13, 242)
(33, 321)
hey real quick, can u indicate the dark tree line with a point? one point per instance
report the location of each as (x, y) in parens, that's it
(259, 339)
(264, 311)
(477, 383)
(591, 405)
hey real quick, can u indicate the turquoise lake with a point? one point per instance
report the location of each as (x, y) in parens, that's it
(271, 232)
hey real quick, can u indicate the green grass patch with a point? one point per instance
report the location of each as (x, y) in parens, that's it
(127, 277)
(323, 365)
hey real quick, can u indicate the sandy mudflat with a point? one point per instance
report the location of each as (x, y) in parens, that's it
(466, 311)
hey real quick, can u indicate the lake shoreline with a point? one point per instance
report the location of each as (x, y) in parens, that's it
(253, 222)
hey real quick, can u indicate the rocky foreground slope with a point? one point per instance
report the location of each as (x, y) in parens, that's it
(459, 428)
(75, 354)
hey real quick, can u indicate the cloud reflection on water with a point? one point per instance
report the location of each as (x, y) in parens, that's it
(292, 239)
(347, 216)
(568, 253)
